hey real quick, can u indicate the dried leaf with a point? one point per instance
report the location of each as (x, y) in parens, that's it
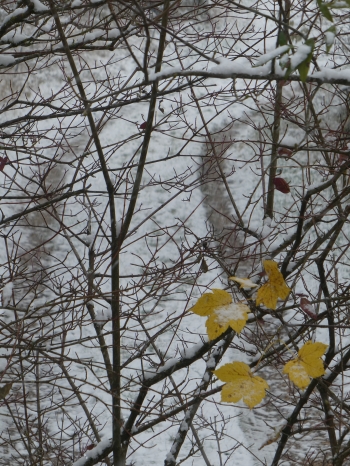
(281, 185)
(204, 266)
(3, 162)
(244, 282)
(284, 151)
(274, 288)
(143, 125)
(308, 364)
(308, 308)
(274, 437)
(241, 383)
(5, 390)
(160, 106)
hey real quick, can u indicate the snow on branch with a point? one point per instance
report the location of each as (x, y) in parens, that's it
(90, 457)
(240, 68)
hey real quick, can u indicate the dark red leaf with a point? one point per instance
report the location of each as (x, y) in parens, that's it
(308, 308)
(281, 185)
(285, 151)
(90, 447)
(3, 162)
(143, 125)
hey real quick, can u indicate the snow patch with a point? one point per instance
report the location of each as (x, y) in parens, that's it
(168, 365)
(14, 37)
(229, 312)
(329, 36)
(211, 363)
(152, 75)
(188, 353)
(271, 55)
(16, 12)
(94, 453)
(241, 65)
(89, 239)
(6, 60)
(330, 74)
(170, 457)
(183, 426)
(114, 34)
(291, 266)
(103, 315)
(300, 55)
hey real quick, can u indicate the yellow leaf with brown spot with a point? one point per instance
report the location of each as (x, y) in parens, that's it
(274, 288)
(241, 383)
(308, 364)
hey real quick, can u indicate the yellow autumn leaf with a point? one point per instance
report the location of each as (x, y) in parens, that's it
(241, 383)
(232, 315)
(274, 288)
(222, 313)
(209, 301)
(308, 364)
(244, 282)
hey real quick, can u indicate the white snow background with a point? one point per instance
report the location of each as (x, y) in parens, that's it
(242, 432)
